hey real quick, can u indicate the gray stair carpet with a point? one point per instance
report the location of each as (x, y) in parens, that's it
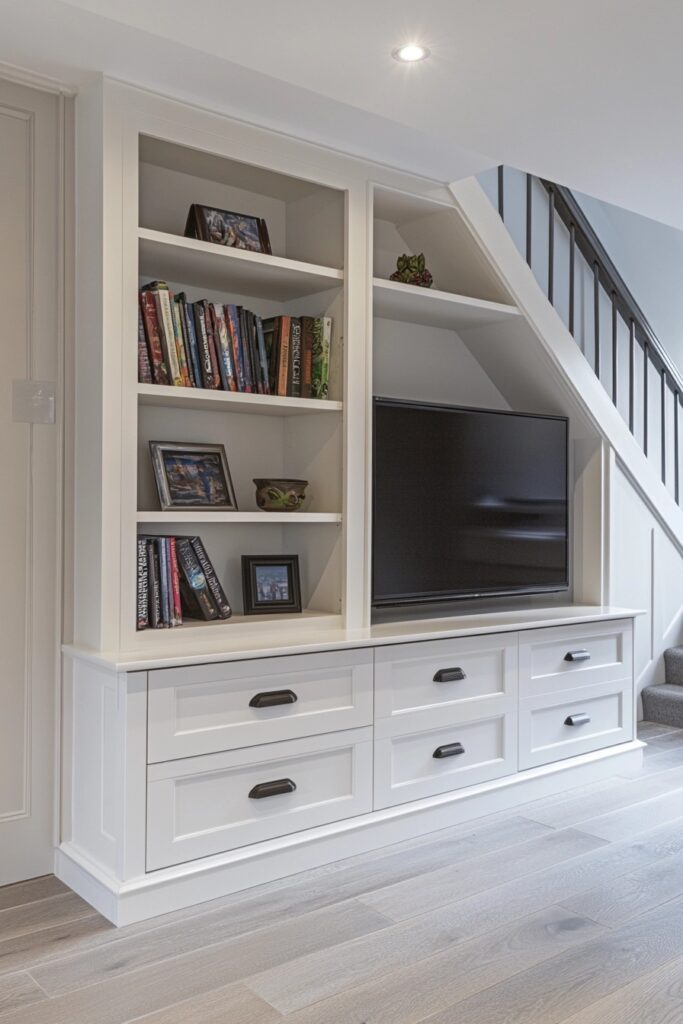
(664, 704)
(673, 665)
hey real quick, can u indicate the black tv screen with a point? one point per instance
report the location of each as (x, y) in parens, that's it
(467, 503)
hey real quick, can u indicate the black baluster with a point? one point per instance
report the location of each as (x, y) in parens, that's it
(501, 197)
(663, 411)
(529, 201)
(614, 348)
(596, 315)
(677, 399)
(646, 357)
(572, 245)
(631, 374)
(551, 243)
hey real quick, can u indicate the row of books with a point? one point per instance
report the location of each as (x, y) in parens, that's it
(208, 345)
(176, 580)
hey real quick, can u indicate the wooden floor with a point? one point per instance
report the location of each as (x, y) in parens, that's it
(569, 909)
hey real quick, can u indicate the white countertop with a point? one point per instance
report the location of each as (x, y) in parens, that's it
(275, 644)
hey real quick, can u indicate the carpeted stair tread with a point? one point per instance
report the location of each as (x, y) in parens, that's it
(673, 665)
(664, 704)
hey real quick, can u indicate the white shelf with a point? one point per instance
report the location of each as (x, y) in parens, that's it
(278, 518)
(394, 300)
(189, 261)
(231, 401)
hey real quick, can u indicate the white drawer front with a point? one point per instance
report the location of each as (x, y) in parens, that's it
(570, 724)
(574, 656)
(202, 806)
(443, 673)
(208, 708)
(408, 767)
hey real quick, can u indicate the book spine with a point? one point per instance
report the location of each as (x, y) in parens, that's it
(154, 589)
(203, 340)
(244, 349)
(180, 343)
(217, 592)
(211, 341)
(234, 331)
(163, 582)
(306, 355)
(193, 582)
(322, 334)
(263, 358)
(327, 348)
(294, 374)
(175, 583)
(143, 585)
(151, 322)
(225, 347)
(163, 302)
(144, 364)
(191, 337)
(283, 355)
(220, 362)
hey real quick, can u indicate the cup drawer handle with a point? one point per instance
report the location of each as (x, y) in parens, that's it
(449, 750)
(581, 655)
(577, 720)
(274, 788)
(449, 675)
(272, 698)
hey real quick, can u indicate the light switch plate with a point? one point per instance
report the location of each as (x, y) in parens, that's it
(33, 401)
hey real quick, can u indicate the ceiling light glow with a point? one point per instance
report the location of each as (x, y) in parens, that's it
(410, 53)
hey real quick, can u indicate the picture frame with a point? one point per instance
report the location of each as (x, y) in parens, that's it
(224, 227)
(271, 584)
(192, 477)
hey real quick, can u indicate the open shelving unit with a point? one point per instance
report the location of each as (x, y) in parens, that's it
(264, 435)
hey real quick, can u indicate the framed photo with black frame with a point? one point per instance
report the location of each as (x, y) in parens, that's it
(271, 584)
(223, 227)
(194, 477)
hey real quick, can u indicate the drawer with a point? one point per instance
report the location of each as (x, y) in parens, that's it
(207, 805)
(208, 708)
(574, 656)
(416, 765)
(442, 674)
(551, 729)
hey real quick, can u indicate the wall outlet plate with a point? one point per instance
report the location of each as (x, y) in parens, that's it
(33, 401)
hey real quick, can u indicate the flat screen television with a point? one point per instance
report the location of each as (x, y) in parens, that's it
(467, 503)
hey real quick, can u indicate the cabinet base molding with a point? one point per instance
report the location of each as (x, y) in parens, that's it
(160, 892)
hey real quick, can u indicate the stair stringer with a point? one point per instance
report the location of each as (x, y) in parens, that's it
(536, 360)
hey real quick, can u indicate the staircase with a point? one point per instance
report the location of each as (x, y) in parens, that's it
(664, 703)
(638, 381)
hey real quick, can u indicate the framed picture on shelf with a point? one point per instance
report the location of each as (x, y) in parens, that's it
(193, 477)
(270, 583)
(222, 227)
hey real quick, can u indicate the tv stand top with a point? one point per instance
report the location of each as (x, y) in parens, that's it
(272, 643)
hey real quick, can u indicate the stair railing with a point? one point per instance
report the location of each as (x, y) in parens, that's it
(562, 206)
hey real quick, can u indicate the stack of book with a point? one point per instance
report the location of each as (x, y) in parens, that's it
(208, 345)
(176, 580)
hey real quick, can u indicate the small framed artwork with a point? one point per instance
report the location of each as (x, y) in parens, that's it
(193, 477)
(222, 227)
(270, 583)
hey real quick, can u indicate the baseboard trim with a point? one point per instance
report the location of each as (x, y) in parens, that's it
(159, 892)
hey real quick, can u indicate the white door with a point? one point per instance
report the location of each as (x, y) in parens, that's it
(30, 125)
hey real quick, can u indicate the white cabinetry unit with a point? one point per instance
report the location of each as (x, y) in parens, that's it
(206, 758)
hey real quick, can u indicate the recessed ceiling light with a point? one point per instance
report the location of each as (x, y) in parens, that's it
(410, 53)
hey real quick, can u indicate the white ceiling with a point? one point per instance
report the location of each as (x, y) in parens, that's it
(586, 92)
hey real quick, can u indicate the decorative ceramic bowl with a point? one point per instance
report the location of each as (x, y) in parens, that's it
(280, 495)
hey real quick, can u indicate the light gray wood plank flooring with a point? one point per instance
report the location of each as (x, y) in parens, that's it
(567, 911)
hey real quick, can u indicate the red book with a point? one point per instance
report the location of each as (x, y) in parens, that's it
(175, 579)
(151, 322)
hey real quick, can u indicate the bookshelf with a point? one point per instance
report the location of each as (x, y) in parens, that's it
(232, 401)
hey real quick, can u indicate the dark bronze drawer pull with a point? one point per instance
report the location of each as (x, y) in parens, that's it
(449, 675)
(577, 656)
(272, 698)
(275, 788)
(449, 750)
(577, 720)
